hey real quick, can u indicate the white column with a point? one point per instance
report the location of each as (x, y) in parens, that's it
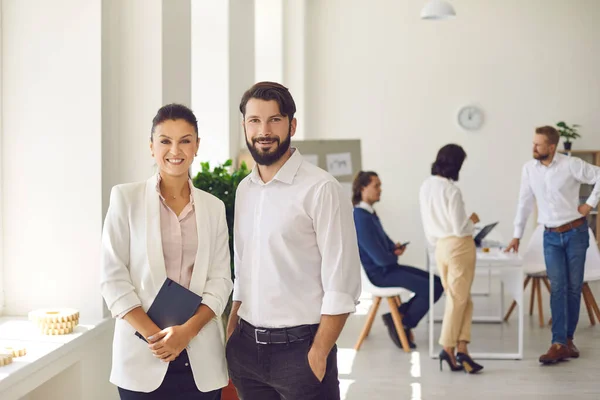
(177, 51)
(222, 69)
(1, 185)
(294, 58)
(146, 64)
(269, 40)
(280, 48)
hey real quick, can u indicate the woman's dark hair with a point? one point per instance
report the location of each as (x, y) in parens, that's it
(449, 161)
(361, 180)
(174, 112)
(271, 91)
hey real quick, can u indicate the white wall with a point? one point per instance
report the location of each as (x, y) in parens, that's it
(375, 71)
(222, 69)
(51, 155)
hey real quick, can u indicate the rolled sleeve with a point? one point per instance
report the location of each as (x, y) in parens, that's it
(336, 303)
(125, 304)
(337, 241)
(218, 284)
(213, 303)
(525, 205)
(588, 174)
(115, 283)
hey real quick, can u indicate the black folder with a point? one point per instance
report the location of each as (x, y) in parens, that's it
(173, 305)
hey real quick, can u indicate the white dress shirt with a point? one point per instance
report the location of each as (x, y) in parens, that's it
(443, 210)
(556, 190)
(296, 251)
(366, 206)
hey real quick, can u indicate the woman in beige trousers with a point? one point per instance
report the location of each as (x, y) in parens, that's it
(448, 228)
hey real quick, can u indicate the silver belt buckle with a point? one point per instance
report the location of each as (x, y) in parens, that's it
(256, 331)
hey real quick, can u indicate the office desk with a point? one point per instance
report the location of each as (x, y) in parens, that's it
(509, 268)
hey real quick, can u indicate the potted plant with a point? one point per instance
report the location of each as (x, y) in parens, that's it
(568, 133)
(222, 183)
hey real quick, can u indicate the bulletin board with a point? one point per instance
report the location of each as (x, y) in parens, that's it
(341, 158)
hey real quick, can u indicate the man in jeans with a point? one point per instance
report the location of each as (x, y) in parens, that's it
(553, 181)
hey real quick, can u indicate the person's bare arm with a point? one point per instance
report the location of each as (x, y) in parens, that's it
(233, 318)
(329, 330)
(141, 322)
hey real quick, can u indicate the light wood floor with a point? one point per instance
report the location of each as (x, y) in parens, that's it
(382, 371)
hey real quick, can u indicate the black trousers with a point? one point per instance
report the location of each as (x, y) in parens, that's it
(278, 371)
(178, 385)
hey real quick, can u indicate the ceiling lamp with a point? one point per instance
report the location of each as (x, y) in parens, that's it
(438, 10)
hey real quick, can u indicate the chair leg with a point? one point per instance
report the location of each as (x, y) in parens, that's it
(398, 324)
(539, 299)
(532, 298)
(588, 306)
(399, 302)
(547, 283)
(514, 303)
(593, 303)
(369, 323)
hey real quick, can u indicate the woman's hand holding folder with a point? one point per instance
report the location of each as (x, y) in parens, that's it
(170, 342)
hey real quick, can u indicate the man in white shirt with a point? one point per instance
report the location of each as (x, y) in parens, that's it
(553, 181)
(297, 268)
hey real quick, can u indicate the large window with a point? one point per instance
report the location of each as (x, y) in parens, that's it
(1, 180)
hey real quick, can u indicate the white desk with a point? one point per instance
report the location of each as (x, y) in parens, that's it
(509, 268)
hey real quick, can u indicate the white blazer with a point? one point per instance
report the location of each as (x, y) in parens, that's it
(133, 270)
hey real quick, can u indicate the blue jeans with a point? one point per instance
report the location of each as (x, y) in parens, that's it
(565, 263)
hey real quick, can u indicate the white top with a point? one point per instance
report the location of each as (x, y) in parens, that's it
(556, 189)
(443, 210)
(296, 250)
(366, 206)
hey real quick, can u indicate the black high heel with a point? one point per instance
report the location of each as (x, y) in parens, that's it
(444, 356)
(468, 364)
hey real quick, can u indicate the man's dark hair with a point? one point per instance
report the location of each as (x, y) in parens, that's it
(361, 180)
(449, 161)
(270, 91)
(174, 112)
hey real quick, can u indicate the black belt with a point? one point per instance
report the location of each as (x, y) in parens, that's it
(278, 335)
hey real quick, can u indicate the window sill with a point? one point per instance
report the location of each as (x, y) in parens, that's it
(47, 356)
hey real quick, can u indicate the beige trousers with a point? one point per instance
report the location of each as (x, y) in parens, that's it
(455, 258)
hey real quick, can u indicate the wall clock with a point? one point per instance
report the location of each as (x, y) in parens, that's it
(470, 118)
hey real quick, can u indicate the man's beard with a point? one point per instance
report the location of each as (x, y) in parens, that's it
(269, 157)
(541, 157)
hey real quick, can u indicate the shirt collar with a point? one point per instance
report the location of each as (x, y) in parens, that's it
(159, 179)
(286, 173)
(366, 206)
(557, 158)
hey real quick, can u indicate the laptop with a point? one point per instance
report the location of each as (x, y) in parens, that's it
(483, 233)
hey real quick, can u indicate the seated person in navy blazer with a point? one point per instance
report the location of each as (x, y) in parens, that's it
(379, 257)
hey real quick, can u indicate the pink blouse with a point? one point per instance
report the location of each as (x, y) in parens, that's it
(179, 239)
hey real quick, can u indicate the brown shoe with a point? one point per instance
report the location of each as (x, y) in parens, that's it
(557, 352)
(573, 350)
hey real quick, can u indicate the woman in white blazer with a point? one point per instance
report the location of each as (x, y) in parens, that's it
(161, 228)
